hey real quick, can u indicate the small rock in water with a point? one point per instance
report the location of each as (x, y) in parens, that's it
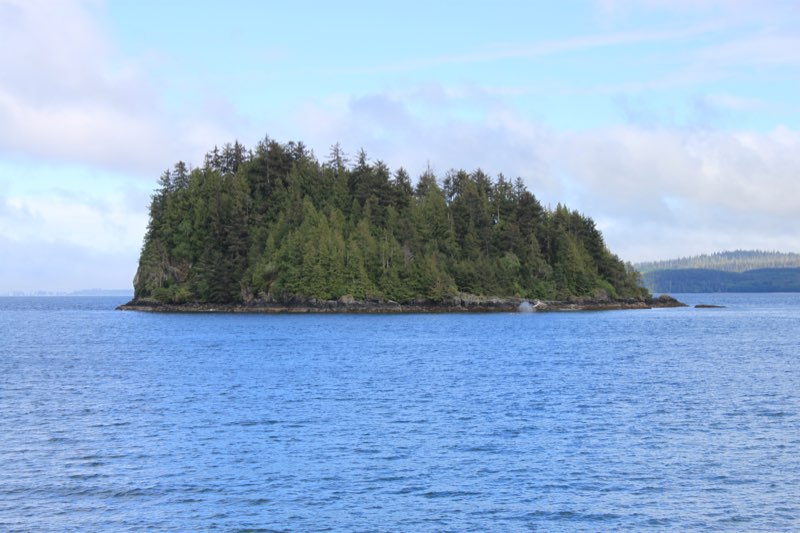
(708, 306)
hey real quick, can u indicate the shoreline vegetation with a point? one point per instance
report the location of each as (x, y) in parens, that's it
(273, 229)
(460, 304)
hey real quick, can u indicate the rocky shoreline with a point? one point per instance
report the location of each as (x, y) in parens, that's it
(460, 304)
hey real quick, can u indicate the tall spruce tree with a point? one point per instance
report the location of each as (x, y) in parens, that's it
(274, 223)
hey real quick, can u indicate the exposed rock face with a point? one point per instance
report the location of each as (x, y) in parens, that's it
(458, 304)
(664, 300)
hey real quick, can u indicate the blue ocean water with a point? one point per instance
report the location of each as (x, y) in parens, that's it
(668, 419)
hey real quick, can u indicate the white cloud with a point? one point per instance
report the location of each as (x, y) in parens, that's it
(68, 95)
(731, 10)
(107, 225)
(760, 50)
(747, 38)
(736, 103)
(61, 96)
(452, 129)
(668, 192)
(61, 240)
(544, 48)
(655, 191)
(32, 266)
(88, 132)
(744, 172)
(84, 134)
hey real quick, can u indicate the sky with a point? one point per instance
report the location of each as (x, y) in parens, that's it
(674, 124)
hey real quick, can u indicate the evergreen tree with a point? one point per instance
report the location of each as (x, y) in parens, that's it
(275, 223)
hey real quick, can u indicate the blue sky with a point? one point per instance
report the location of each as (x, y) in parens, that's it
(674, 124)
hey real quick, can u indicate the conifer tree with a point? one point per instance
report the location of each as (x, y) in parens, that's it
(274, 223)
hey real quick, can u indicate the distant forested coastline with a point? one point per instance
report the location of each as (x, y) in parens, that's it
(274, 224)
(728, 261)
(706, 280)
(729, 271)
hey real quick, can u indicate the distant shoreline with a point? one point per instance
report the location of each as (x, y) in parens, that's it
(120, 293)
(454, 305)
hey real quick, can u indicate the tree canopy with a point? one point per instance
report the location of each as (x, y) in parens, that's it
(274, 223)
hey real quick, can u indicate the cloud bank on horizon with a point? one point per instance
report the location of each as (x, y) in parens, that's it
(675, 125)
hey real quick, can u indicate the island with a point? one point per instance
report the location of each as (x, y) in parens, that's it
(273, 229)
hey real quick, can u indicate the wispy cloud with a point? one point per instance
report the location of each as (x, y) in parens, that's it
(737, 103)
(687, 189)
(541, 49)
(108, 224)
(30, 266)
(751, 37)
(661, 180)
(67, 95)
(65, 241)
(744, 172)
(729, 10)
(760, 50)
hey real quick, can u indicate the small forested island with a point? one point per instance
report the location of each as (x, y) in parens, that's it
(735, 271)
(274, 229)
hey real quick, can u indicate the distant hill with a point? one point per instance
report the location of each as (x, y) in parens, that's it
(735, 261)
(737, 271)
(705, 280)
(81, 292)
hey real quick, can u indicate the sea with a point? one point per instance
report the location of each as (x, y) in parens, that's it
(681, 419)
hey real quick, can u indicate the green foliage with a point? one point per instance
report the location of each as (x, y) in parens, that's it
(274, 223)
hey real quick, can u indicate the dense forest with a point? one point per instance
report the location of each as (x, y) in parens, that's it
(735, 261)
(275, 224)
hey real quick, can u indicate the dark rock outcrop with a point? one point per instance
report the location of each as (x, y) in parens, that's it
(463, 303)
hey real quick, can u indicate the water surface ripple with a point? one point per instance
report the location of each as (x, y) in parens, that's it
(672, 419)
